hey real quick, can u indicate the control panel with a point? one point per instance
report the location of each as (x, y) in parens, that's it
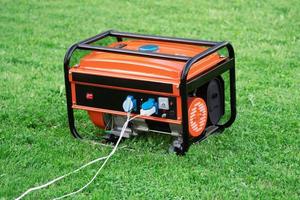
(124, 101)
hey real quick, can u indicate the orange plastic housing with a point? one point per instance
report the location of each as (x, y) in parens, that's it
(142, 68)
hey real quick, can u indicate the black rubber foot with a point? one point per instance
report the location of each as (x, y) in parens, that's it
(111, 138)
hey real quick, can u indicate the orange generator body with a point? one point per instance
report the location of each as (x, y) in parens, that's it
(177, 82)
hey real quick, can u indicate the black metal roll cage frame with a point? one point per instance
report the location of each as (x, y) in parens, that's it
(186, 86)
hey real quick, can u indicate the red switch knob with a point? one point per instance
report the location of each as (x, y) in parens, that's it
(89, 96)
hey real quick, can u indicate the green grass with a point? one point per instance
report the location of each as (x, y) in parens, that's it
(257, 158)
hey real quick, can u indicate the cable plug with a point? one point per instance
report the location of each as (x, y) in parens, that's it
(148, 112)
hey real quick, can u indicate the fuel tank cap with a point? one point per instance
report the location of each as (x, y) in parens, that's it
(149, 48)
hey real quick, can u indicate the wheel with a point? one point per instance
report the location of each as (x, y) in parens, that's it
(176, 147)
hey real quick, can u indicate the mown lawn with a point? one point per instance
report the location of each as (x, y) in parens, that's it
(257, 158)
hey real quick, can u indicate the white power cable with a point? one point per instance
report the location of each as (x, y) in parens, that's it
(111, 153)
(59, 178)
(82, 167)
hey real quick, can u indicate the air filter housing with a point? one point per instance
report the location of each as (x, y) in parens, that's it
(213, 94)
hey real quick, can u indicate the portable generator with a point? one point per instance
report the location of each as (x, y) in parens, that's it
(178, 82)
